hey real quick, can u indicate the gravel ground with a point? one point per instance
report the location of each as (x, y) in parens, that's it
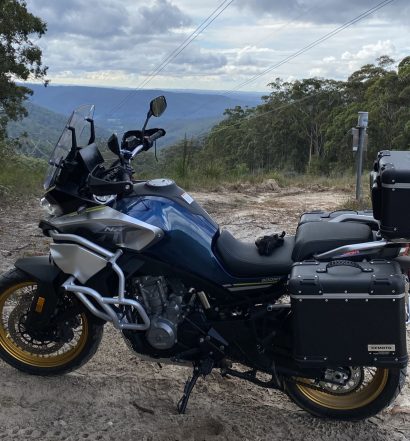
(118, 396)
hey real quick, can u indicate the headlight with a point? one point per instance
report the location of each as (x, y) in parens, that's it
(51, 209)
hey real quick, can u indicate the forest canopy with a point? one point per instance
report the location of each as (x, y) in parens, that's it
(305, 125)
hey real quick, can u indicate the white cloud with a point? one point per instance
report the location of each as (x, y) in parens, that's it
(368, 53)
(316, 72)
(120, 43)
(329, 11)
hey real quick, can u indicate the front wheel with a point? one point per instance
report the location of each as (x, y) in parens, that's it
(57, 350)
(366, 393)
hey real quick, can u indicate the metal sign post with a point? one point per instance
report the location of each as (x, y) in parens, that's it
(362, 123)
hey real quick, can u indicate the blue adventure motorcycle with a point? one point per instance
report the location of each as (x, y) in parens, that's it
(147, 257)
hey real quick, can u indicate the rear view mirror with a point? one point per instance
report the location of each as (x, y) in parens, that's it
(114, 145)
(158, 105)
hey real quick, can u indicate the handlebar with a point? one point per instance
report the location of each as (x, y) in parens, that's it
(143, 144)
(118, 178)
(160, 133)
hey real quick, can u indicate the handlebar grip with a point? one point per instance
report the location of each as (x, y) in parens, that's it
(159, 134)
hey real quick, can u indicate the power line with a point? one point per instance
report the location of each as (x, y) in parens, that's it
(239, 123)
(276, 31)
(167, 60)
(316, 42)
(304, 49)
(186, 42)
(159, 69)
(177, 52)
(283, 106)
(294, 55)
(246, 48)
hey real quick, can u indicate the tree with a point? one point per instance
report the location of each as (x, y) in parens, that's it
(305, 126)
(20, 58)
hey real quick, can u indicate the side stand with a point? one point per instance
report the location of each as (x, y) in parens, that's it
(203, 368)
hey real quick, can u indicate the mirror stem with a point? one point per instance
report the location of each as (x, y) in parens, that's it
(73, 138)
(92, 130)
(149, 114)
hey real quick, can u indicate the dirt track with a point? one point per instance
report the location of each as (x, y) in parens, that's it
(117, 396)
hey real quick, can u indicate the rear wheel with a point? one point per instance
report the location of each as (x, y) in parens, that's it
(50, 352)
(367, 392)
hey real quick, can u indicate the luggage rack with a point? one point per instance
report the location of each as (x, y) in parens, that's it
(354, 250)
(358, 248)
(355, 218)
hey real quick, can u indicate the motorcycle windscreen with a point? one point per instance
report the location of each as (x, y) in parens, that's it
(78, 122)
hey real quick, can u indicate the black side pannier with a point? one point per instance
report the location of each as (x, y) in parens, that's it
(390, 188)
(348, 313)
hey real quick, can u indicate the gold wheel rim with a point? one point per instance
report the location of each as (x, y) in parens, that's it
(354, 400)
(12, 348)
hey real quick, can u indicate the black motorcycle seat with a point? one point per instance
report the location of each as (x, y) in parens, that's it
(318, 237)
(242, 259)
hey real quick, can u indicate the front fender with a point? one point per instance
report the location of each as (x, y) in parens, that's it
(39, 267)
(48, 278)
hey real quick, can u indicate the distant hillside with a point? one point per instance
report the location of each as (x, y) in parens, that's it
(40, 130)
(43, 128)
(188, 112)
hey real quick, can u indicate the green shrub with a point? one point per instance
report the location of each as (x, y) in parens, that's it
(19, 175)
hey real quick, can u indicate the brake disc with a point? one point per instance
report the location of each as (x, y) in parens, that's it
(353, 383)
(39, 344)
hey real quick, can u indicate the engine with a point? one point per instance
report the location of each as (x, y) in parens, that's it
(163, 301)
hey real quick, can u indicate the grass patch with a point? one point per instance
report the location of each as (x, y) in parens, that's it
(355, 205)
(365, 203)
(311, 182)
(202, 182)
(20, 176)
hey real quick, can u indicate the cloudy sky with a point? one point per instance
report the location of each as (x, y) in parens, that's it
(120, 42)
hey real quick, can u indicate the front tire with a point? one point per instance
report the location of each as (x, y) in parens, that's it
(362, 401)
(41, 356)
